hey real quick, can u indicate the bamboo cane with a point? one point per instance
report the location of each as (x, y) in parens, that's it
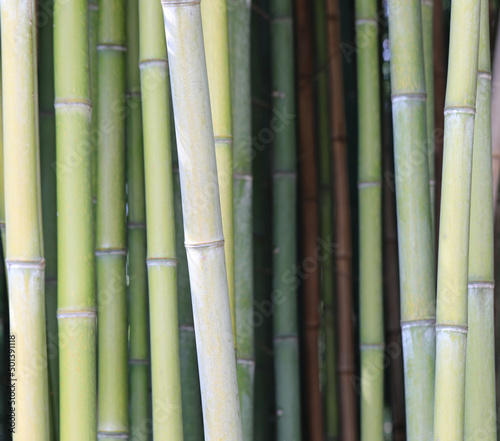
(76, 311)
(216, 38)
(495, 112)
(239, 51)
(324, 158)
(162, 273)
(24, 259)
(113, 419)
(136, 237)
(342, 221)
(93, 12)
(309, 219)
(370, 225)
(480, 400)
(202, 220)
(285, 320)
(451, 322)
(415, 239)
(2, 179)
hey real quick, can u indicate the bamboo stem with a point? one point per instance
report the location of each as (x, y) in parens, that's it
(93, 13)
(24, 259)
(202, 220)
(451, 321)
(495, 112)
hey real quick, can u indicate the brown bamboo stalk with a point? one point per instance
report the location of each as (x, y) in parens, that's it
(309, 218)
(342, 217)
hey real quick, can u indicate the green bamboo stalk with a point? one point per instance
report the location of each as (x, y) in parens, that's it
(371, 320)
(451, 320)
(192, 413)
(111, 252)
(24, 259)
(202, 220)
(415, 237)
(427, 11)
(49, 204)
(76, 313)
(324, 158)
(480, 399)
(285, 320)
(161, 259)
(2, 179)
(239, 51)
(216, 38)
(136, 237)
(93, 13)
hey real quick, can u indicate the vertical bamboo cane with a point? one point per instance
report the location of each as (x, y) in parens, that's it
(342, 221)
(76, 311)
(285, 320)
(202, 220)
(216, 38)
(324, 158)
(49, 208)
(451, 321)
(136, 237)
(111, 253)
(162, 272)
(415, 238)
(370, 224)
(480, 400)
(495, 115)
(239, 51)
(309, 219)
(93, 12)
(25, 262)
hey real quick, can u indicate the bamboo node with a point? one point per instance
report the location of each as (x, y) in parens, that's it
(111, 251)
(367, 347)
(484, 74)
(167, 3)
(117, 435)
(461, 329)
(369, 184)
(151, 62)
(25, 264)
(460, 109)
(163, 261)
(111, 47)
(223, 140)
(212, 244)
(417, 323)
(490, 285)
(408, 97)
(84, 313)
(246, 361)
(243, 177)
(366, 20)
(64, 104)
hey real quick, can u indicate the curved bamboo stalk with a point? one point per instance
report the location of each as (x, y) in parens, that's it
(76, 311)
(370, 223)
(239, 51)
(202, 220)
(111, 252)
(285, 319)
(24, 259)
(309, 218)
(451, 320)
(216, 38)
(136, 236)
(326, 230)
(415, 238)
(161, 258)
(480, 399)
(342, 221)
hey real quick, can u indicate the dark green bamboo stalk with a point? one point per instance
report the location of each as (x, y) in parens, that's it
(49, 208)
(480, 399)
(161, 257)
(370, 225)
(76, 311)
(24, 259)
(136, 236)
(451, 320)
(111, 252)
(239, 58)
(415, 238)
(285, 320)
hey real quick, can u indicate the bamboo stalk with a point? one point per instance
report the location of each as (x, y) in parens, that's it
(136, 236)
(495, 112)
(342, 222)
(370, 224)
(480, 399)
(216, 38)
(111, 253)
(202, 220)
(93, 13)
(414, 214)
(76, 313)
(161, 258)
(324, 157)
(24, 259)
(285, 319)
(239, 51)
(451, 321)
(309, 219)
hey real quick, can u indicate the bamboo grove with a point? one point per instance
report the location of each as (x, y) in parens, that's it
(236, 220)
